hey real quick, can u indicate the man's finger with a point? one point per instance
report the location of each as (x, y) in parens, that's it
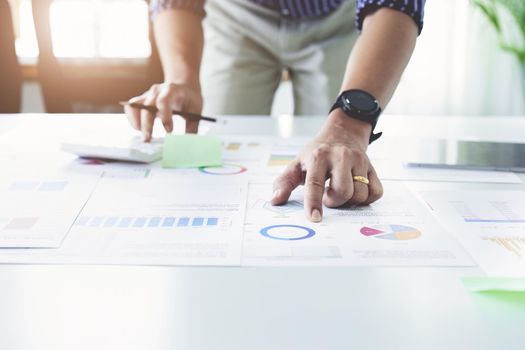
(360, 168)
(192, 126)
(341, 187)
(164, 107)
(147, 118)
(133, 114)
(315, 183)
(375, 188)
(286, 183)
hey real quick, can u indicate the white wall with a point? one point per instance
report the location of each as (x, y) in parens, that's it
(458, 67)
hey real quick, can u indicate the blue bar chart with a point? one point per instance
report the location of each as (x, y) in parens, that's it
(141, 222)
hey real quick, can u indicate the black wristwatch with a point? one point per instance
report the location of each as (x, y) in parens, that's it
(360, 105)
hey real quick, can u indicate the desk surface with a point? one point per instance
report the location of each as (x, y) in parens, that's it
(103, 307)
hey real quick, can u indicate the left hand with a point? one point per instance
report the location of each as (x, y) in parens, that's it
(337, 153)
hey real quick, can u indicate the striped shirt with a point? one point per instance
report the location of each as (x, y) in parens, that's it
(307, 8)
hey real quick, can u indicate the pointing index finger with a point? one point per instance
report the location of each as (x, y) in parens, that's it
(315, 185)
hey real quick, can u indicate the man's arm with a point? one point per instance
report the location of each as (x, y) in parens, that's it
(179, 37)
(381, 54)
(338, 152)
(180, 40)
(376, 64)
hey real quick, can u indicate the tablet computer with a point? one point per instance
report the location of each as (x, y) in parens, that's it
(476, 155)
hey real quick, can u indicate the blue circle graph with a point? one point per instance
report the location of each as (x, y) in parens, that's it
(308, 232)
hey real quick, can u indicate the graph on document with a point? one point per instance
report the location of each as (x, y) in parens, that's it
(151, 222)
(18, 223)
(513, 245)
(496, 211)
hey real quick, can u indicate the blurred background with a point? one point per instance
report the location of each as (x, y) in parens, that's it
(85, 55)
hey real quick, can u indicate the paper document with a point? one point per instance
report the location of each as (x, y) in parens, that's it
(38, 212)
(250, 149)
(395, 231)
(161, 222)
(490, 224)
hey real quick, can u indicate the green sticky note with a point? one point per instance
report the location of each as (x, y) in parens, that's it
(494, 284)
(498, 298)
(191, 151)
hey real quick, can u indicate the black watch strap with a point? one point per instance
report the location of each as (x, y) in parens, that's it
(373, 136)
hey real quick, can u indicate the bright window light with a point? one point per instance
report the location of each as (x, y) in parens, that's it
(89, 29)
(73, 28)
(26, 45)
(123, 29)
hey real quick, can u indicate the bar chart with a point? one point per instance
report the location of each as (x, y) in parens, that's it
(149, 222)
(276, 160)
(514, 245)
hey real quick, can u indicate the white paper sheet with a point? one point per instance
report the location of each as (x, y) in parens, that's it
(38, 212)
(395, 231)
(358, 236)
(490, 224)
(161, 222)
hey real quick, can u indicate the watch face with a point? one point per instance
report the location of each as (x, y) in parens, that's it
(360, 100)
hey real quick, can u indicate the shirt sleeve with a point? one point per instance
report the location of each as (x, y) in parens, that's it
(158, 6)
(413, 8)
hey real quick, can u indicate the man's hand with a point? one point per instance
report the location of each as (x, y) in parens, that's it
(166, 97)
(338, 153)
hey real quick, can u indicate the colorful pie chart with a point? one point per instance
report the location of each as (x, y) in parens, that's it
(391, 232)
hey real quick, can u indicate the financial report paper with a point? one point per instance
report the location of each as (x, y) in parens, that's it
(210, 216)
(168, 222)
(395, 231)
(490, 224)
(38, 212)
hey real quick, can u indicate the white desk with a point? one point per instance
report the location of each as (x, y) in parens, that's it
(82, 307)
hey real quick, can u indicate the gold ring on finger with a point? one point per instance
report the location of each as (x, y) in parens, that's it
(361, 179)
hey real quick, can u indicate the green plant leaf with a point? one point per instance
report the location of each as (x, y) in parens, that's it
(516, 9)
(489, 10)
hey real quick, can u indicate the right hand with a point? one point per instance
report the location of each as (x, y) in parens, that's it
(166, 97)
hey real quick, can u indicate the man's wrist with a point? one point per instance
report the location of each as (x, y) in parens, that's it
(355, 129)
(191, 82)
(182, 73)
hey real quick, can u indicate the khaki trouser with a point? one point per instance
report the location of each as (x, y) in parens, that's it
(248, 46)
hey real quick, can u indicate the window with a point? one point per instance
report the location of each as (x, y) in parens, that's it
(103, 29)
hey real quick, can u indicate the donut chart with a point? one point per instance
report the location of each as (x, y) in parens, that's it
(287, 232)
(391, 232)
(226, 169)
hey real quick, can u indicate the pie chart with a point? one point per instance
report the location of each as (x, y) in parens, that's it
(391, 232)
